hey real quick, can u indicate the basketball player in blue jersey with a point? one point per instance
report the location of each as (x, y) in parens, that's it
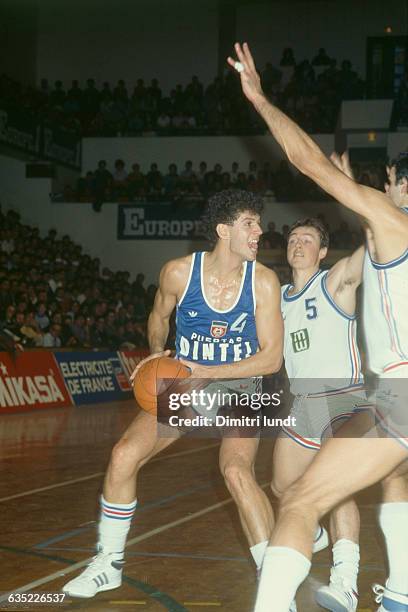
(346, 465)
(229, 326)
(317, 306)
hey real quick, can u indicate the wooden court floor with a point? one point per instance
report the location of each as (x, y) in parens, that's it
(185, 551)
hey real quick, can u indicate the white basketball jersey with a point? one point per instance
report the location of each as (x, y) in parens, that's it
(320, 339)
(385, 314)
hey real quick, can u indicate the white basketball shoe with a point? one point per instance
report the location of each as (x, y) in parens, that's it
(390, 600)
(102, 574)
(339, 595)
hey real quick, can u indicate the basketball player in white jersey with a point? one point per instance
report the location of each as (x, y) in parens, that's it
(346, 465)
(320, 306)
(229, 323)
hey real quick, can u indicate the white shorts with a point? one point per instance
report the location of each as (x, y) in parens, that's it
(318, 415)
(391, 403)
(226, 393)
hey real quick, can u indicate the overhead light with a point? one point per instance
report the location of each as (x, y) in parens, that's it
(388, 30)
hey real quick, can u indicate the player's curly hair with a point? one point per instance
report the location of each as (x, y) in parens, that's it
(401, 166)
(225, 207)
(317, 224)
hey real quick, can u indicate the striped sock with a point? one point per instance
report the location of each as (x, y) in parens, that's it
(114, 525)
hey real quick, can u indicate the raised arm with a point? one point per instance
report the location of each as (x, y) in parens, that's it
(269, 328)
(344, 278)
(305, 154)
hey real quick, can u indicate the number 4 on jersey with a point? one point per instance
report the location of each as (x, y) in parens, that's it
(239, 323)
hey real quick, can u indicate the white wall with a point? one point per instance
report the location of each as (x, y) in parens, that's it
(127, 39)
(163, 151)
(341, 27)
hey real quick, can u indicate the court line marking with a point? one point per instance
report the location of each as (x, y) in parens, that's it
(135, 540)
(131, 553)
(201, 603)
(161, 501)
(98, 474)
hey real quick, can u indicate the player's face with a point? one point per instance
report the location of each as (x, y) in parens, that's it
(304, 249)
(245, 234)
(396, 191)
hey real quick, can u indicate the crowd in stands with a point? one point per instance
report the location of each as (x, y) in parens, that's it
(53, 295)
(117, 184)
(309, 91)
(190, 184)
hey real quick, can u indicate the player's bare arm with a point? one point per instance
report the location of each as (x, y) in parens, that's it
(172, 281)
(269, 327)
(344, 278)
(305, 154)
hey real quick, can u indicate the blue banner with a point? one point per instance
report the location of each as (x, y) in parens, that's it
(160, 221)
(93, 377)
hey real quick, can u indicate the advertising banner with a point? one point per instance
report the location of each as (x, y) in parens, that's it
(159, 221)
(19, 130)
(129, 360)
(31, 380)
(93, 377)
(62, 146)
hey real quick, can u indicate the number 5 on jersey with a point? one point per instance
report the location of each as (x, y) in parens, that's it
(311, 308)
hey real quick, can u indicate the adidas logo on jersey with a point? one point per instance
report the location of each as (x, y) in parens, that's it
(192, 313)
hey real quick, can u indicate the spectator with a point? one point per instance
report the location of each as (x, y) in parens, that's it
(98, 333)
(103, 182)
(321, 59)
(272, 239)
(52, 338)
(171, 180)
(163, 121)
(41, 316)
(119, 178)
(288, 58)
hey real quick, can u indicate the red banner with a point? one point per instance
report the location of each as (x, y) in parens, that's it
(129, 360)
(32, 380)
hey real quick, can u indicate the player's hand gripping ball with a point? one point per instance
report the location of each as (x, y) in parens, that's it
(155, 380)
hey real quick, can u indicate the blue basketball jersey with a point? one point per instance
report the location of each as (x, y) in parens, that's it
(210, 336)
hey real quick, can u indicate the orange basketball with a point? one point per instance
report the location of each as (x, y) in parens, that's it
(155, 378)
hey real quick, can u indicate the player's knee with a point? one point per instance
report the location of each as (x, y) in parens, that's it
(395, 484)
(300, 499)
(126, 458)
(236, 473)
(277, 486)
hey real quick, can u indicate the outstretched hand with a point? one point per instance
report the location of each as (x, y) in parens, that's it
(342, 162)
(250, 81)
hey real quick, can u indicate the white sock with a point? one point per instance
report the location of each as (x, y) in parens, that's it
(114, 525)
(393, 518)
(258, 552)
(346, 558)
(283, 570)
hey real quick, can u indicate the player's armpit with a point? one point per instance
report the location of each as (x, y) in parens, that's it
(347, 272)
